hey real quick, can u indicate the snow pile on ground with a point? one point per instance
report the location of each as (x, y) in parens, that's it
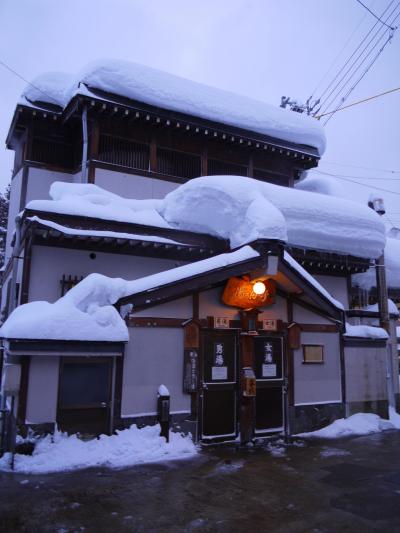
(355, 425)
(243, 209)
(367, 280)
(132, 446)
(86, 311)
(161, 89)
(370, 332)
(393, 310)
(92, 201)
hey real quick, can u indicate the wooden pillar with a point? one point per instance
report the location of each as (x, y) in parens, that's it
(93, 150)
(250, 167)
(204, 161)
(247, 414)
(153, 154)
(290, 355)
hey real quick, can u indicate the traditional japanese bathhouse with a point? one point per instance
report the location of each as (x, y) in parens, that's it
(242, 335)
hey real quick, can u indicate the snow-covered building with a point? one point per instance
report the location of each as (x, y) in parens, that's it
(231, 289)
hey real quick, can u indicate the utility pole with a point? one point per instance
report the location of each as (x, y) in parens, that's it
(382, 295)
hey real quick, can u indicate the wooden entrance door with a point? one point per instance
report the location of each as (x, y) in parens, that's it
(84, 396)
(220, 385)
(269, 371)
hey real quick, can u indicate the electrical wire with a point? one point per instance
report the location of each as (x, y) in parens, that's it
(364, 168)
(344, 98)
(358, 102)
(362, 184)
(28, 82)
(373, 14)
(355, 66)
(357, 177)
(353, 54)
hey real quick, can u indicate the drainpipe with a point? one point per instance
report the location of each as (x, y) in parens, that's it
(15, 257)
(85, 145)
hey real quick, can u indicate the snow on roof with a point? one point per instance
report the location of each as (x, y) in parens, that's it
(93, 201)
(367, 280)
(244, 209)
(303, 273)
(161, 89)
(86, 311)
(393, 310)
(49, 87)
(369, 332)
(237, 208)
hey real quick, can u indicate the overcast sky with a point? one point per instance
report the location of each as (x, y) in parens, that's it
(260, 48)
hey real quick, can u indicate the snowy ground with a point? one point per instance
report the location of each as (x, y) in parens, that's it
(133, 446)
(60, 452)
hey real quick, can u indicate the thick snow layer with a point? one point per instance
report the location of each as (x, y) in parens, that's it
(243, 209)
(370, 332)
(161, 89)
(132, 446)
(93, 201)
(237, 208)
(398, 331)
(296, 266)
(358, 424)
(163, 391)
(367, 280)
(86, 312)
(393, 310)
(50, 87)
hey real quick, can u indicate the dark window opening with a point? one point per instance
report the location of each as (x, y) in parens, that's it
(124, 152)
(52, 152)
(216, 167)
(174, 163)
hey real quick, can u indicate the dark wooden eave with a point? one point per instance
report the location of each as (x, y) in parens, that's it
(328, 263)
(188, 246)
(48, 346)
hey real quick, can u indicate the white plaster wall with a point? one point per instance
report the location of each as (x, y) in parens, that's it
(42, 390)
(13, 210)
(181, 308)
(318, 383)
(210, 304)
(49, 264)
(337, 286)
(131, 185)
(153, 356)
(365, 374)
(304, 316)
(278, 310)
(39, 181)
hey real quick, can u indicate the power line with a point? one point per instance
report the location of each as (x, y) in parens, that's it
(357, 177)
(357, 64)
(352, 55)
(28, 82)
(364, 168)
(362, 184)
(344, 98)
(358, 102)
(373, 14)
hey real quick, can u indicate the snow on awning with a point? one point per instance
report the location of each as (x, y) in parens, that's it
(161, 89)
(86, 312)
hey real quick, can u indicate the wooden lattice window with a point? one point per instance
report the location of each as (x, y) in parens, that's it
(217, 167)
(175, 163)
(52, 152)
(67, 282)
(124, 152)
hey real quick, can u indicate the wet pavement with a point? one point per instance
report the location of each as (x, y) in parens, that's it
(325, 486)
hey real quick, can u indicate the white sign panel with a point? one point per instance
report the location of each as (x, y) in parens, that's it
(269, 371)
(270, 324)
(221, 322)
(219, 372)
